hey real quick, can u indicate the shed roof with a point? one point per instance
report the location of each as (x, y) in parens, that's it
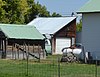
(20, 32)
(90, 7)
(50, 25)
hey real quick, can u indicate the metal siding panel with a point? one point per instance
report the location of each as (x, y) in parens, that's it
(79, 37)
(90, 33)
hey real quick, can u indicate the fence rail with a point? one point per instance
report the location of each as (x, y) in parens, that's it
(49, 67)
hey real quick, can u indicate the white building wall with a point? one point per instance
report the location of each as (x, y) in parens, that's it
(91, 33)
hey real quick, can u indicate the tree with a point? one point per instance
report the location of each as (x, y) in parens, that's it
(15, 10)
(79, 26)
(18, 11)
(55, 14)
(35, 10)
(2, 11)
(42, 10)
(22, 11)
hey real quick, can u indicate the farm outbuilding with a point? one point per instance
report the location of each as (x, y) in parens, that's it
(28, 37)
(60, 30)
(91, 28)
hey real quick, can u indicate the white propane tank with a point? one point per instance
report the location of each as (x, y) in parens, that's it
(77, 52)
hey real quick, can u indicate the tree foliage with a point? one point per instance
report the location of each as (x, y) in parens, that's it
(56, 14)
(22, 11)
(79, 26)
(2, 11)
(15, 10)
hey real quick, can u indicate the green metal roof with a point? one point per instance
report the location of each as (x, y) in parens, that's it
(90, 7)
(21, 32)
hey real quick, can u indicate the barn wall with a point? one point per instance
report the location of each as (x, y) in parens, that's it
(30, 42)
(68, 31)
(90, 33)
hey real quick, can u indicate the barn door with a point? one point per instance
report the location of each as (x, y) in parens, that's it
(61, 43)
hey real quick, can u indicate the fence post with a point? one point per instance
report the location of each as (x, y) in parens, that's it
(27, 55)
(96, 68)
(58, 67)
(39, 52)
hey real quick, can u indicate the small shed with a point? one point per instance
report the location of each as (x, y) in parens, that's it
(91, 27)
(61, 31)
(10, 34)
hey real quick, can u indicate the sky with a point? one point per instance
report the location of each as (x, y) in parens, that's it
(63, 7)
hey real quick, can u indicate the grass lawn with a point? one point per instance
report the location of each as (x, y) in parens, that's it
(46, 68)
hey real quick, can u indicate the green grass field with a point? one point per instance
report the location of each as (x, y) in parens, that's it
(46, 68)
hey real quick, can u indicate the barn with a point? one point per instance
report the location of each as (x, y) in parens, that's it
(60, 30)
(28, 37)
(91, 27)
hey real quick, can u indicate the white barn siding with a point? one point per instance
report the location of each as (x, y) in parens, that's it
(91, 33)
